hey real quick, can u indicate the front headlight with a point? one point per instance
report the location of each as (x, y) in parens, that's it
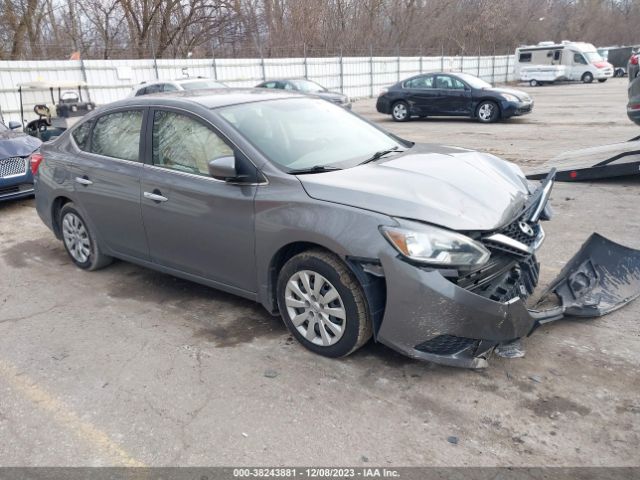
(436, 246)
(510, 98)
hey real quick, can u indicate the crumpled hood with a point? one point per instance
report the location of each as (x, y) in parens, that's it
(14, 144)
(452, 187)
(512, 91)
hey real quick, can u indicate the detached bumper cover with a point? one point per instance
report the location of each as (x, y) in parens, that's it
(430, 318)
(458, 323)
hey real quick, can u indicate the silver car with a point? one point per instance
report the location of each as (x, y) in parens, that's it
(340, 227)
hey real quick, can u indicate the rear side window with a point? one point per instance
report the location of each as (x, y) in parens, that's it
(182, 143)
(117, 135)
(419, 82)
(142, 91)
(269, 85)
(525, 58)
(81, 135)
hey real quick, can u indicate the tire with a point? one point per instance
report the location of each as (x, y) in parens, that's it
(400, 111)
(79, 241)
(533, 83)
(587, 77)
(302, 306)
(488, 112)
(602, 80)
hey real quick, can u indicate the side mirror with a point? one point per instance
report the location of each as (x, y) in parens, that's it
(223, 168)
(13, 125)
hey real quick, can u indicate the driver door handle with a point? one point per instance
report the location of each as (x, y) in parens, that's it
(83, 181)
(155, 197)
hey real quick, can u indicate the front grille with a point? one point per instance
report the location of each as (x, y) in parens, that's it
(11, 167)
(446, 345)
(510, 272)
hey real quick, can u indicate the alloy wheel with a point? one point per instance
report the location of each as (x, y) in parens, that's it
(400, 111)
(485, 112)
(315, 308)
(76, 238)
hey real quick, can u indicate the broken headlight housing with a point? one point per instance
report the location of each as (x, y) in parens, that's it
(436, 246)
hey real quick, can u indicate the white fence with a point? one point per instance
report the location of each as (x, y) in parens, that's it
(358, 77)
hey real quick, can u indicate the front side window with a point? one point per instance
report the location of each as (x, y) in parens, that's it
(449, 83)
(81, 135)
(578, 58)
(167, 87)
(300, 133)
(117, 135)
(183, 143)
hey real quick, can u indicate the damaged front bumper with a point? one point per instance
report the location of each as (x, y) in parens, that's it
(429, 317)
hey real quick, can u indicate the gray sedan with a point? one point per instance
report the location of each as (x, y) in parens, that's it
(340, 227)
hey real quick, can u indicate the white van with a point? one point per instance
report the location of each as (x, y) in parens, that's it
(548, 62)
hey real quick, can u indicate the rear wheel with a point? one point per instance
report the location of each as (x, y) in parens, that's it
(488, 112)
(587, 77)
(79, 242)
(400, 111)
(533, 83)
(322, 304)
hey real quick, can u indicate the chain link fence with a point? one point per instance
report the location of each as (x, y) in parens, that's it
(357, 77)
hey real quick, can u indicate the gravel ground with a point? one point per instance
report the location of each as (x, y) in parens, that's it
(126, 366)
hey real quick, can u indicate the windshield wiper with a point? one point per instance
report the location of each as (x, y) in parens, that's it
(380, 154)
(314, 169)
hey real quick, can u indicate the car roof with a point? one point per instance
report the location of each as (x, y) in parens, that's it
(209, 98)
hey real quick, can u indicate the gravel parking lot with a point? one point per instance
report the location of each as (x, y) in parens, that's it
(126, 366)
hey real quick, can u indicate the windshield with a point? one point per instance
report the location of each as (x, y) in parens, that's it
(473, 82)
(300, 133)
(307, 86)
(593, 56)
(204, 84)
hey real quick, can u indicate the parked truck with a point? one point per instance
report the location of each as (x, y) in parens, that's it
(549, 62)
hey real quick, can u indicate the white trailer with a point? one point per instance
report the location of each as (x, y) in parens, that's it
(549, 62)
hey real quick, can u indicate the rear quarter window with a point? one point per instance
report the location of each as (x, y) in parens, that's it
(81, 135)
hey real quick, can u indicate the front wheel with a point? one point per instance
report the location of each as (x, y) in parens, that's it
(79, 242)
(587, 77)
(488, 112)
(602, 80)
(323, 304)
(400, 111)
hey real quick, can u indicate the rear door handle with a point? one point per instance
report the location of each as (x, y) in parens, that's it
(156, 197)
(83, 181)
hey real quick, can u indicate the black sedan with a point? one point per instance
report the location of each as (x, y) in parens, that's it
(18, 154)
(451, 94)
(302, 85)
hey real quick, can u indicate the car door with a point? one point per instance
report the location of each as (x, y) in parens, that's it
(107, 175)
(579, 66)
(453, 97)
(420, 94)
(196, 224)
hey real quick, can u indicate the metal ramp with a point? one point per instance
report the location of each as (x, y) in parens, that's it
(595, 163)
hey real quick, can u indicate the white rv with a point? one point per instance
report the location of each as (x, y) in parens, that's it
(548, 62)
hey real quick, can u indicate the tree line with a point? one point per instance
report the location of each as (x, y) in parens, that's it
(54, 29)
